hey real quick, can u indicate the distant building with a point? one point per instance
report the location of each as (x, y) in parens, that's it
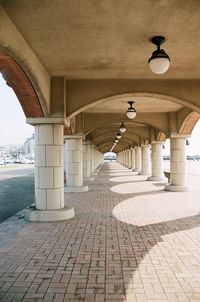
(29, 146)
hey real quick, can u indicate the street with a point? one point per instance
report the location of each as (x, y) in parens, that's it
(16, 189)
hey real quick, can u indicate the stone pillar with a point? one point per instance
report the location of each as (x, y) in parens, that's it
(120, 158)
(123, 157)
(133, 159)
(146, 164)
(126, 156)
(129, 159)
(92, 167)
(74, 164)
(157, 161)
(138, 159)
(178, 177)
(86, 162)
(49, 172)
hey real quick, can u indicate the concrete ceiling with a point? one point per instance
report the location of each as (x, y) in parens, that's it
(109, 39)
(142, 104)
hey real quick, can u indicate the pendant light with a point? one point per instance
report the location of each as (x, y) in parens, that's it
(122, 128)
(159, 61)
(119, 135)
(131, 112)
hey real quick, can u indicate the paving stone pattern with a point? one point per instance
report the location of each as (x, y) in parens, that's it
(129, 242)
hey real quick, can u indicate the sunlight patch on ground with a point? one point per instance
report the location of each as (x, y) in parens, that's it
(129, 178)
(158, 207)
(125, 173)
(135, 187)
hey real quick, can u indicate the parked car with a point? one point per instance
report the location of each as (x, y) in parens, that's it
(190, 157)
(2, 162)
(9, 160)
(166, 157)
(27, 161)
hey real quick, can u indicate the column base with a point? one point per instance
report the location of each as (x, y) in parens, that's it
(88, 179)
(76, 189)
(155, 178)
(51, 215)
(94, 174)
(172, 188)
(144, 173)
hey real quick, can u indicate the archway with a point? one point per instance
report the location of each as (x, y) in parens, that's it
(110, 156)
(18, 80)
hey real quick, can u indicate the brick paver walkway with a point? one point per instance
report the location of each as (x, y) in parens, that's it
(130, 241)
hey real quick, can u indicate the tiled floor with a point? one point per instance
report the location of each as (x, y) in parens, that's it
(130, 241)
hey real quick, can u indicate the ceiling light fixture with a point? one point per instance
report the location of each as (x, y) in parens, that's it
(122, 128)
(119, 135)
(159, 61)
(131, 112)
(116, 140)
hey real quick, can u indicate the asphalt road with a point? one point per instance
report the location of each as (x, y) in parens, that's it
(16, 189)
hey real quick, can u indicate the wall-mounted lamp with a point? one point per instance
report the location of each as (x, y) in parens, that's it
(159, 61)
(131, 112)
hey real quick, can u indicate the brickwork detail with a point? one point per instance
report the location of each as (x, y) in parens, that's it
(189, 123)
(129, 242)
(16, 78)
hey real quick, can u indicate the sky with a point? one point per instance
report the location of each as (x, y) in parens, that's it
(14, 130)
(13, 127)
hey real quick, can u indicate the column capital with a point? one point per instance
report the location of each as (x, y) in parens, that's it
(73, 136)
(146, 146)
(157, 142)
(48, 120)
(177, 135)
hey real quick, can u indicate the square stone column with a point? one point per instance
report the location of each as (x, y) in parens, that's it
(129, 159)
(138, 159)
(133, 158)
(146, 163)
(99, 162)
(92, 163)
(123, 157)
(49, 172)
(73, 159)
(157, 161)
(86, 162)
(126, 158)
(178, 176)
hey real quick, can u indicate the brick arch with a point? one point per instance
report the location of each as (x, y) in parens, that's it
(161, 136)
(189, 123)
(17, 79)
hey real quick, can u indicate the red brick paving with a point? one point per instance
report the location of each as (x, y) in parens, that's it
(130, 241)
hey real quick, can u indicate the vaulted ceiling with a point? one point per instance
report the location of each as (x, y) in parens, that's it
(110, 39)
